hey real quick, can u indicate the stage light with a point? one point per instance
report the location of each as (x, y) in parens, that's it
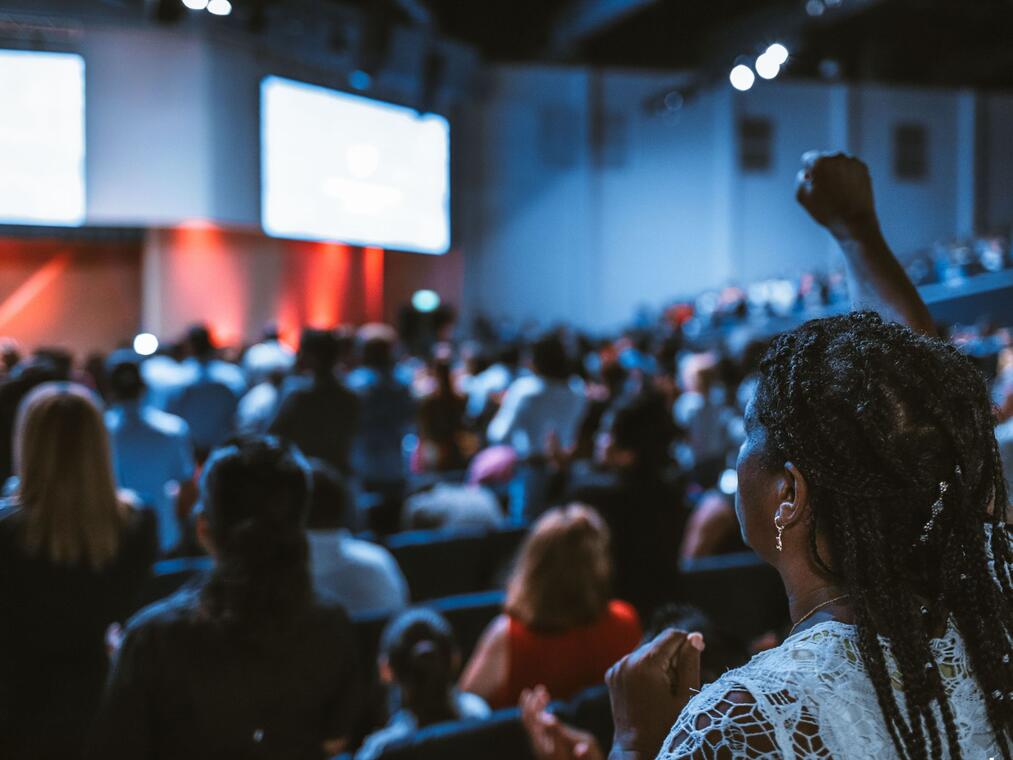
(778, 52)
(741, 77)
(425, 301)
(196, 5)
(767, 67)
(729, 482)
(814, 8)
(145, 344)
(220, 7)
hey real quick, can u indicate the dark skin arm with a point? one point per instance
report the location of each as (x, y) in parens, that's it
(836, 190)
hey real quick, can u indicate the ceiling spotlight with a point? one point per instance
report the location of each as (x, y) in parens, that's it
(814, 7)
(196, 5)
(145, 344)
(220, 7)
(778, 52)
(741, 77)
(767, 67)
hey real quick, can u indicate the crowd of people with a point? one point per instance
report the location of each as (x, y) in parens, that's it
(860, 455)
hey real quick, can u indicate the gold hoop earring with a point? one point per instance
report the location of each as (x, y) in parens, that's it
(780, 530)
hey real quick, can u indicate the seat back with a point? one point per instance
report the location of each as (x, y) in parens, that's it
(170, 575)
(499, 737)
(741, 593)
(440, 563)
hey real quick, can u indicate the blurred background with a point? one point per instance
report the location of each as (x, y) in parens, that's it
(588, 161)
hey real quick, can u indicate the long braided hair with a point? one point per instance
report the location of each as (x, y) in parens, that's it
(894, 432)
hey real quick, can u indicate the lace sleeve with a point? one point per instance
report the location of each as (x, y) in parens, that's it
(729, 722)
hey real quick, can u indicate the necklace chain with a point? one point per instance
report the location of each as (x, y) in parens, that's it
(816, 609)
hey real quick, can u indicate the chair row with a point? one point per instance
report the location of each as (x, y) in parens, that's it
(502, 736)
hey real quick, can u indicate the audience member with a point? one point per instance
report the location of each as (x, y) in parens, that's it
(251, 664)
(152, 451)
(208, 393)
(73, 557)
(870, 479)
(559, 627)
(712, 528)
(268, 357)
(387, 411)
(442, 445)
(485, 389)
(642, 501)
(703, 412)
(541, 404)
(317, 412)
(453, 505)
(26, 375)
(362, 575)
(421, 659)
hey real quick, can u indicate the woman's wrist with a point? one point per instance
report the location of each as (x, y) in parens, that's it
(862, 230)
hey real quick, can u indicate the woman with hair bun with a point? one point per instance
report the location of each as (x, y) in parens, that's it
(420, 657)
(251, 664)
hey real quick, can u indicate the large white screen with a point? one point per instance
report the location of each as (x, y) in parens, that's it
(345, 168)
(41, 138)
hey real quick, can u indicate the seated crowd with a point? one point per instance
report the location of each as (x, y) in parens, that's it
(596, 483)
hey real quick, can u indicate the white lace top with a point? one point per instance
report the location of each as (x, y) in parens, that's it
(811, 699)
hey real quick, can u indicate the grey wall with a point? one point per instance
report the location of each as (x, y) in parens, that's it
(647, 209)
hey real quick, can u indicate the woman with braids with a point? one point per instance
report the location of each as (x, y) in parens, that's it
(251, 664)
(870, 479)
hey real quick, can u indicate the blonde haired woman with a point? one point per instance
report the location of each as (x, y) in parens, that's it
(559, 627)
(73, 555)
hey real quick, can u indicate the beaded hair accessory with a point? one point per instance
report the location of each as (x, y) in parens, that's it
(937, 507)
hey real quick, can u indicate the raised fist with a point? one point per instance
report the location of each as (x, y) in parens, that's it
(836, 191)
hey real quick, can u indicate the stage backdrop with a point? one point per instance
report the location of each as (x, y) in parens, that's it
(83, 296)
(93, 296)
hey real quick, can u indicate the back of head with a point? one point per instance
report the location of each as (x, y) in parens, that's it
(329, 498)
(642, 424)
(318, 351)
(549, 358)
(123, 376)
(420, 649)
(563, 575)
(377, 342)
(199, 342)
(893, 432)
(66, 485)
(255, 496)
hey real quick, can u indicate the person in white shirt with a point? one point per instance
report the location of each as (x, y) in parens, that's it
(492, 381)
(364, 577)
(267, 357)
(542, 405)
(152, 450)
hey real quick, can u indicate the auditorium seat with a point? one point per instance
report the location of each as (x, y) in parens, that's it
(502, 736)
(468, 615)
(499, 737)
(741, 593)
(169, 575)
(440, 563)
